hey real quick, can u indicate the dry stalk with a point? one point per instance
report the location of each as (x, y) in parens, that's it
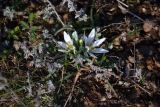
(127, 11)
(62, 76)
(134, 57)
(53, 7)
(141, 88)
(75, 80)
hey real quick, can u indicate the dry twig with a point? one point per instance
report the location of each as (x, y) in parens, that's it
(75, 80)
(53, 7)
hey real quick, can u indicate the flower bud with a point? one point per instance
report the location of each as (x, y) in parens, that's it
(81, 42)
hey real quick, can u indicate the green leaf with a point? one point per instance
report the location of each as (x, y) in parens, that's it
(34, 28)
(24, 25)
(32, 16)
(15, 37)
(16, 29)
(32, 37)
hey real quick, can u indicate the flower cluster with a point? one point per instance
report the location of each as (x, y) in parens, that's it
(81, 48)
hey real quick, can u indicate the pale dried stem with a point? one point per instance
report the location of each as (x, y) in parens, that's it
(134, 57)
(62, 76)
(53, 7)
(142, 88)
(75, 80)
(129, 11)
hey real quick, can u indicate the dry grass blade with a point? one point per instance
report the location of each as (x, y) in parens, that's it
(53, 7)
(75, 80)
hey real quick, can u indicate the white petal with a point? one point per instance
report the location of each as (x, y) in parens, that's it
(85, 39)
(92, 55)
(67, 38)
(62, 45)
(98, 42)
(75, 36)
(91, 37)
(61, 50)
(92, 34)
(99, 50)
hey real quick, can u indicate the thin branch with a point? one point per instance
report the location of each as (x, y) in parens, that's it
(134, 57)
(63, 28)
(112, 89)
(141, 88)
(135, 16)
(121, 3)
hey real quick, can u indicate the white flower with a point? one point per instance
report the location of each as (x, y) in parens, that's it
(91, 45)
(81, 48)
(68, 39)
(66, 46)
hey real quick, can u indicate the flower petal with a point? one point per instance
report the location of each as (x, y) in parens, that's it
(98, 42)
(61, 50)
(62, 45)
(91, 37)
(99, 50)
(85, 39)
(92, 55)
(75, 36)
(67, 38)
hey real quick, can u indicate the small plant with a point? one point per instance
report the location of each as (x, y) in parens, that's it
(134, 32)
(80, 49)
(29, 27)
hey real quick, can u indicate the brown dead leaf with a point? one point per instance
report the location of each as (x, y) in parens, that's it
(150, 64)
(65, 17)
(103, 98)
(88, 103)
(140, 56)
(150, 67)
(144, 10)
(117, 41)
(149, 61)
(147, 26)
(50, 21)
(16, 45)
(131, 59)
(157, 63)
